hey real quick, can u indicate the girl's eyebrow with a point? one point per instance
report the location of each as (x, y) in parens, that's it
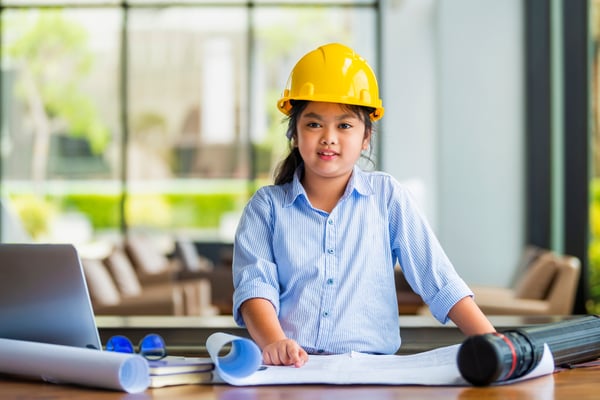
(320, 118)
(312, 115)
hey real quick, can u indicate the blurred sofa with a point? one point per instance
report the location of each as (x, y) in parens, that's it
(547, 286)
(196, 278)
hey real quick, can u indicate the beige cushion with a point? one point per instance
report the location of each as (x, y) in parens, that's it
(146, 258)
(537, 279)
(102, 288)
(491, 294)
(564, 289)
(529, 255)
(123, 273)
(190, 259)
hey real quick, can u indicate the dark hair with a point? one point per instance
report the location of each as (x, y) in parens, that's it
(284, 172)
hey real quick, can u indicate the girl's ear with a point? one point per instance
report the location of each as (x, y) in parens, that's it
(367, 139)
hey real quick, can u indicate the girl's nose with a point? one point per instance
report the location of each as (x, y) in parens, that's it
(328, 138)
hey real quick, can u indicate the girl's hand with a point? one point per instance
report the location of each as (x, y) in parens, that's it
(285, 352)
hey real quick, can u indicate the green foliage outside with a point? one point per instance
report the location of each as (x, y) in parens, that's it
(594, 248)
(101, 210)
(54, 54)
(167, 211)
(34, 212)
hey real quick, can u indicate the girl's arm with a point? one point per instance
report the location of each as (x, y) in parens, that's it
(469, 318)
(264, 327)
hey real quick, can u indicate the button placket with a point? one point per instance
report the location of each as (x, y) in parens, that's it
(330, 275)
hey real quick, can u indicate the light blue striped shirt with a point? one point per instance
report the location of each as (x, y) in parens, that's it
(330, 276)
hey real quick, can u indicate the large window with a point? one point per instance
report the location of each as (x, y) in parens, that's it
(594, 249)
(148, 116)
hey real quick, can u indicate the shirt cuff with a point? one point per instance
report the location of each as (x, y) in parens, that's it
(252, 291)
(447, 297)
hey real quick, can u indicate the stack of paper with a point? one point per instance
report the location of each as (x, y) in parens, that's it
(180, 371)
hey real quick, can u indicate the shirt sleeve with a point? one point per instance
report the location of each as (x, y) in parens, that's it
(423, 261)
(254, 269)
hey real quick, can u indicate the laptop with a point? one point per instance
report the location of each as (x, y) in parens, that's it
(44, 296)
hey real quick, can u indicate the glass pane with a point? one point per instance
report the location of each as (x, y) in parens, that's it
(188, 161)
(319, 2)
(60, 132)
(59, 3)
(594, 249)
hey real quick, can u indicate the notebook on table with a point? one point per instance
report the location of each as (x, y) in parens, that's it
(44, 296)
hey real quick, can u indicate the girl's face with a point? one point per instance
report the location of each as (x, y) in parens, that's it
(330, 139)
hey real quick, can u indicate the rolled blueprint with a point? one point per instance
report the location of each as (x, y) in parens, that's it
(74, 365)
(243, 359)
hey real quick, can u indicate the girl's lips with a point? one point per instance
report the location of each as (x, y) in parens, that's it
(327, 155)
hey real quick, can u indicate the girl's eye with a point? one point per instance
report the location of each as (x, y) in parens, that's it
(313, 125)
(345, 126)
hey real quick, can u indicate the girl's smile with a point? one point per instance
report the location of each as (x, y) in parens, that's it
(327, 155)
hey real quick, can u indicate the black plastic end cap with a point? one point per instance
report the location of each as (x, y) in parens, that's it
(478, 360)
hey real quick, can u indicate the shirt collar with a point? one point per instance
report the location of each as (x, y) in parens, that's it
(358, 183)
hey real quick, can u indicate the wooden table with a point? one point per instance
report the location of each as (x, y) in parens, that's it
(187, 335)
(580, 384)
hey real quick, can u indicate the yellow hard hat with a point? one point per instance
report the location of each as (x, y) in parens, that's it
(333, 73)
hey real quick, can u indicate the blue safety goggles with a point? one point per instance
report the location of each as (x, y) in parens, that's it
(151, 347)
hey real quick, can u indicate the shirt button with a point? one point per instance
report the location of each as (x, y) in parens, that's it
(330, 222)
(320, 351)
(325, 313)
(330, 251)
(330, 281)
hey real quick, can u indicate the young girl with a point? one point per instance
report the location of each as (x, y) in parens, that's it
(314, 254)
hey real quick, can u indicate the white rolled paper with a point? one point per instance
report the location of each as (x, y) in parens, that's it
(75, 365)
(243, 359)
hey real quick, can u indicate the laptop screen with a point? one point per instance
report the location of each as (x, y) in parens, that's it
(44, 296)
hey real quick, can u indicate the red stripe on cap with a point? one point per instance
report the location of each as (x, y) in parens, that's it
(512, 351)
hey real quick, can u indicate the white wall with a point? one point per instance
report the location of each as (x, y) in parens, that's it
(454, 122)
